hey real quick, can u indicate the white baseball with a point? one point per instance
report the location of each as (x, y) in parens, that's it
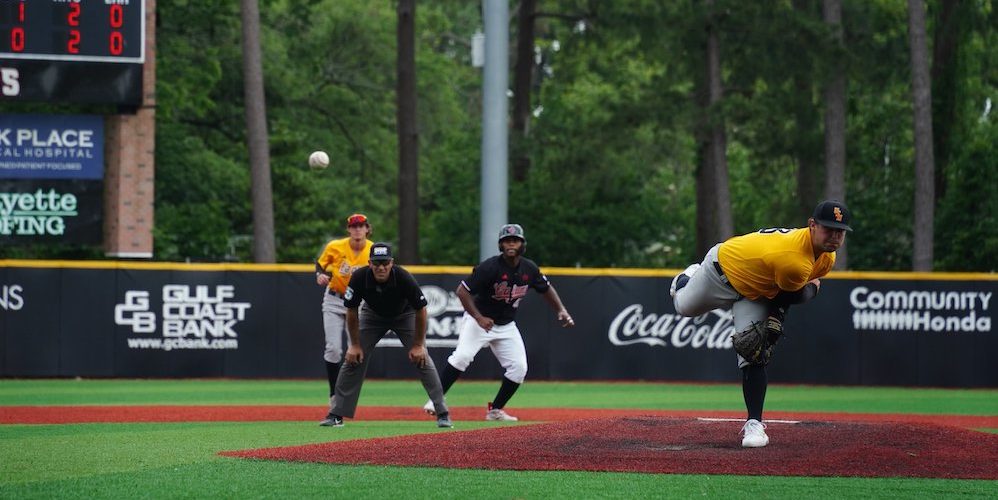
(318, 160)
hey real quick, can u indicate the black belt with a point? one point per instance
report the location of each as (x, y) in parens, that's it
(720, 274)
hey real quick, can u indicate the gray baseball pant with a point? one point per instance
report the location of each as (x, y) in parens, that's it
(707, 290)
(334, 326)
(372, 328)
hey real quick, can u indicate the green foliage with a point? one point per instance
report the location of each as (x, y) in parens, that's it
(966, 239)
(611, 143)
(626, 177)
(880, 176)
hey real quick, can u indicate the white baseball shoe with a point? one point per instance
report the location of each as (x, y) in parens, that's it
(429, 409)
(755, 434)
(497, 414)
(688, 272)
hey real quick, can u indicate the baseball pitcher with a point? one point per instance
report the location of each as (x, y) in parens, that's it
(758, 276)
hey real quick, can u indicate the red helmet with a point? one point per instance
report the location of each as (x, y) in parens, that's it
(357, 219)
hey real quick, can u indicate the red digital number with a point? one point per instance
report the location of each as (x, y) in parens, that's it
(20, 12)
(73, 44)
(17, 39)
(116, 43)
(117, 16)
(73, 18)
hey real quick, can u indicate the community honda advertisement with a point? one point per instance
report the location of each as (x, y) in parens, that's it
(51, 179)
(217, 320)
(901, 310)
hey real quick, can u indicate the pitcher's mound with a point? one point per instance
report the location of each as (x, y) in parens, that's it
(677, 445)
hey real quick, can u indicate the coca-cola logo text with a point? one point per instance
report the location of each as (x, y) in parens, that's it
(632, 326)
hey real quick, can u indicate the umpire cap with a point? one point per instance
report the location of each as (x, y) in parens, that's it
(380, 252)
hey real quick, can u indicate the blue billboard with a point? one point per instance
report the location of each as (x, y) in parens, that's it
(51, 147)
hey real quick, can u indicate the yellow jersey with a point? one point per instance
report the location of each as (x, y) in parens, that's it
(339, 260)
(761, 264)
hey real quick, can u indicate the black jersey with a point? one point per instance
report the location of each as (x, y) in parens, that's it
(399, 294)
(498, 288)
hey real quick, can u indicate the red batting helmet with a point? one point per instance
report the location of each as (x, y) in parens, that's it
(357, 220)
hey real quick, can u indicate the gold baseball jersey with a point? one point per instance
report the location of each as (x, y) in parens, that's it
(761, 264)
(339, 260)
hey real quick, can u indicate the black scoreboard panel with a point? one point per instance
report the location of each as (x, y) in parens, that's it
(88, 51)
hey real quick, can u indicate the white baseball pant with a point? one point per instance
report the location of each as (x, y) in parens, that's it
(504, 340)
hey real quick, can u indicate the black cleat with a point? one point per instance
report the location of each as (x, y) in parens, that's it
(332, 421)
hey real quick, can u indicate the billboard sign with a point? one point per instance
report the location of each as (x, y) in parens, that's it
(51, 211)
(51, 147)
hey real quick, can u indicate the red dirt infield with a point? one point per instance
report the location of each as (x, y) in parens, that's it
(651, 441)
(254, 413)
(676, 446)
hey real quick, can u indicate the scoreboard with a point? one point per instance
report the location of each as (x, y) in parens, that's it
(86, 51)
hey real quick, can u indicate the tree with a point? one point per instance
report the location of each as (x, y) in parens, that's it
(717, 224)
(613, 125)
(951, 23)
(835, 118)
(523, 74)
(803, 144)
(256, 136)
(921, 89)
(408, 134)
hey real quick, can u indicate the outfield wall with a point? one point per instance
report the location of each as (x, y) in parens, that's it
(115, 319)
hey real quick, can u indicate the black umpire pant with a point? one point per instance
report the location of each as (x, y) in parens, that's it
(372, 328)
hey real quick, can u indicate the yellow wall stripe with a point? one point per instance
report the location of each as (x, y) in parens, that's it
(460, 270)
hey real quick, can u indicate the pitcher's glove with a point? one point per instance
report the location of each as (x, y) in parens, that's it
(756, 342)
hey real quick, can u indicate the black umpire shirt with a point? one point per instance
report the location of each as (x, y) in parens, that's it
(498, 288)
(399, 294)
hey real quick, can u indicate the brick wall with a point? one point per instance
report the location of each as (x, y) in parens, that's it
(129, 178)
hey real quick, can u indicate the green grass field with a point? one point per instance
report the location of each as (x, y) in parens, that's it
(179, 460)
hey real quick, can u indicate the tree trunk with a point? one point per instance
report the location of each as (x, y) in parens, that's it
(706, 215)
(921, 89)
(835, 123)
(949, 23)
(408, 134)
(705, 220)
(717, 149)
(256, 136)
(522, 80)
(805, 147)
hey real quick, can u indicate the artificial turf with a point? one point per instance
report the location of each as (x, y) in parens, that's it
(180, 460)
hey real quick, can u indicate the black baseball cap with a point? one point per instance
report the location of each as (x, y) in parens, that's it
(832, 213)
(381, 252)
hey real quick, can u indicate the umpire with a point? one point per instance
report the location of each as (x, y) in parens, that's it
(392, 300)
